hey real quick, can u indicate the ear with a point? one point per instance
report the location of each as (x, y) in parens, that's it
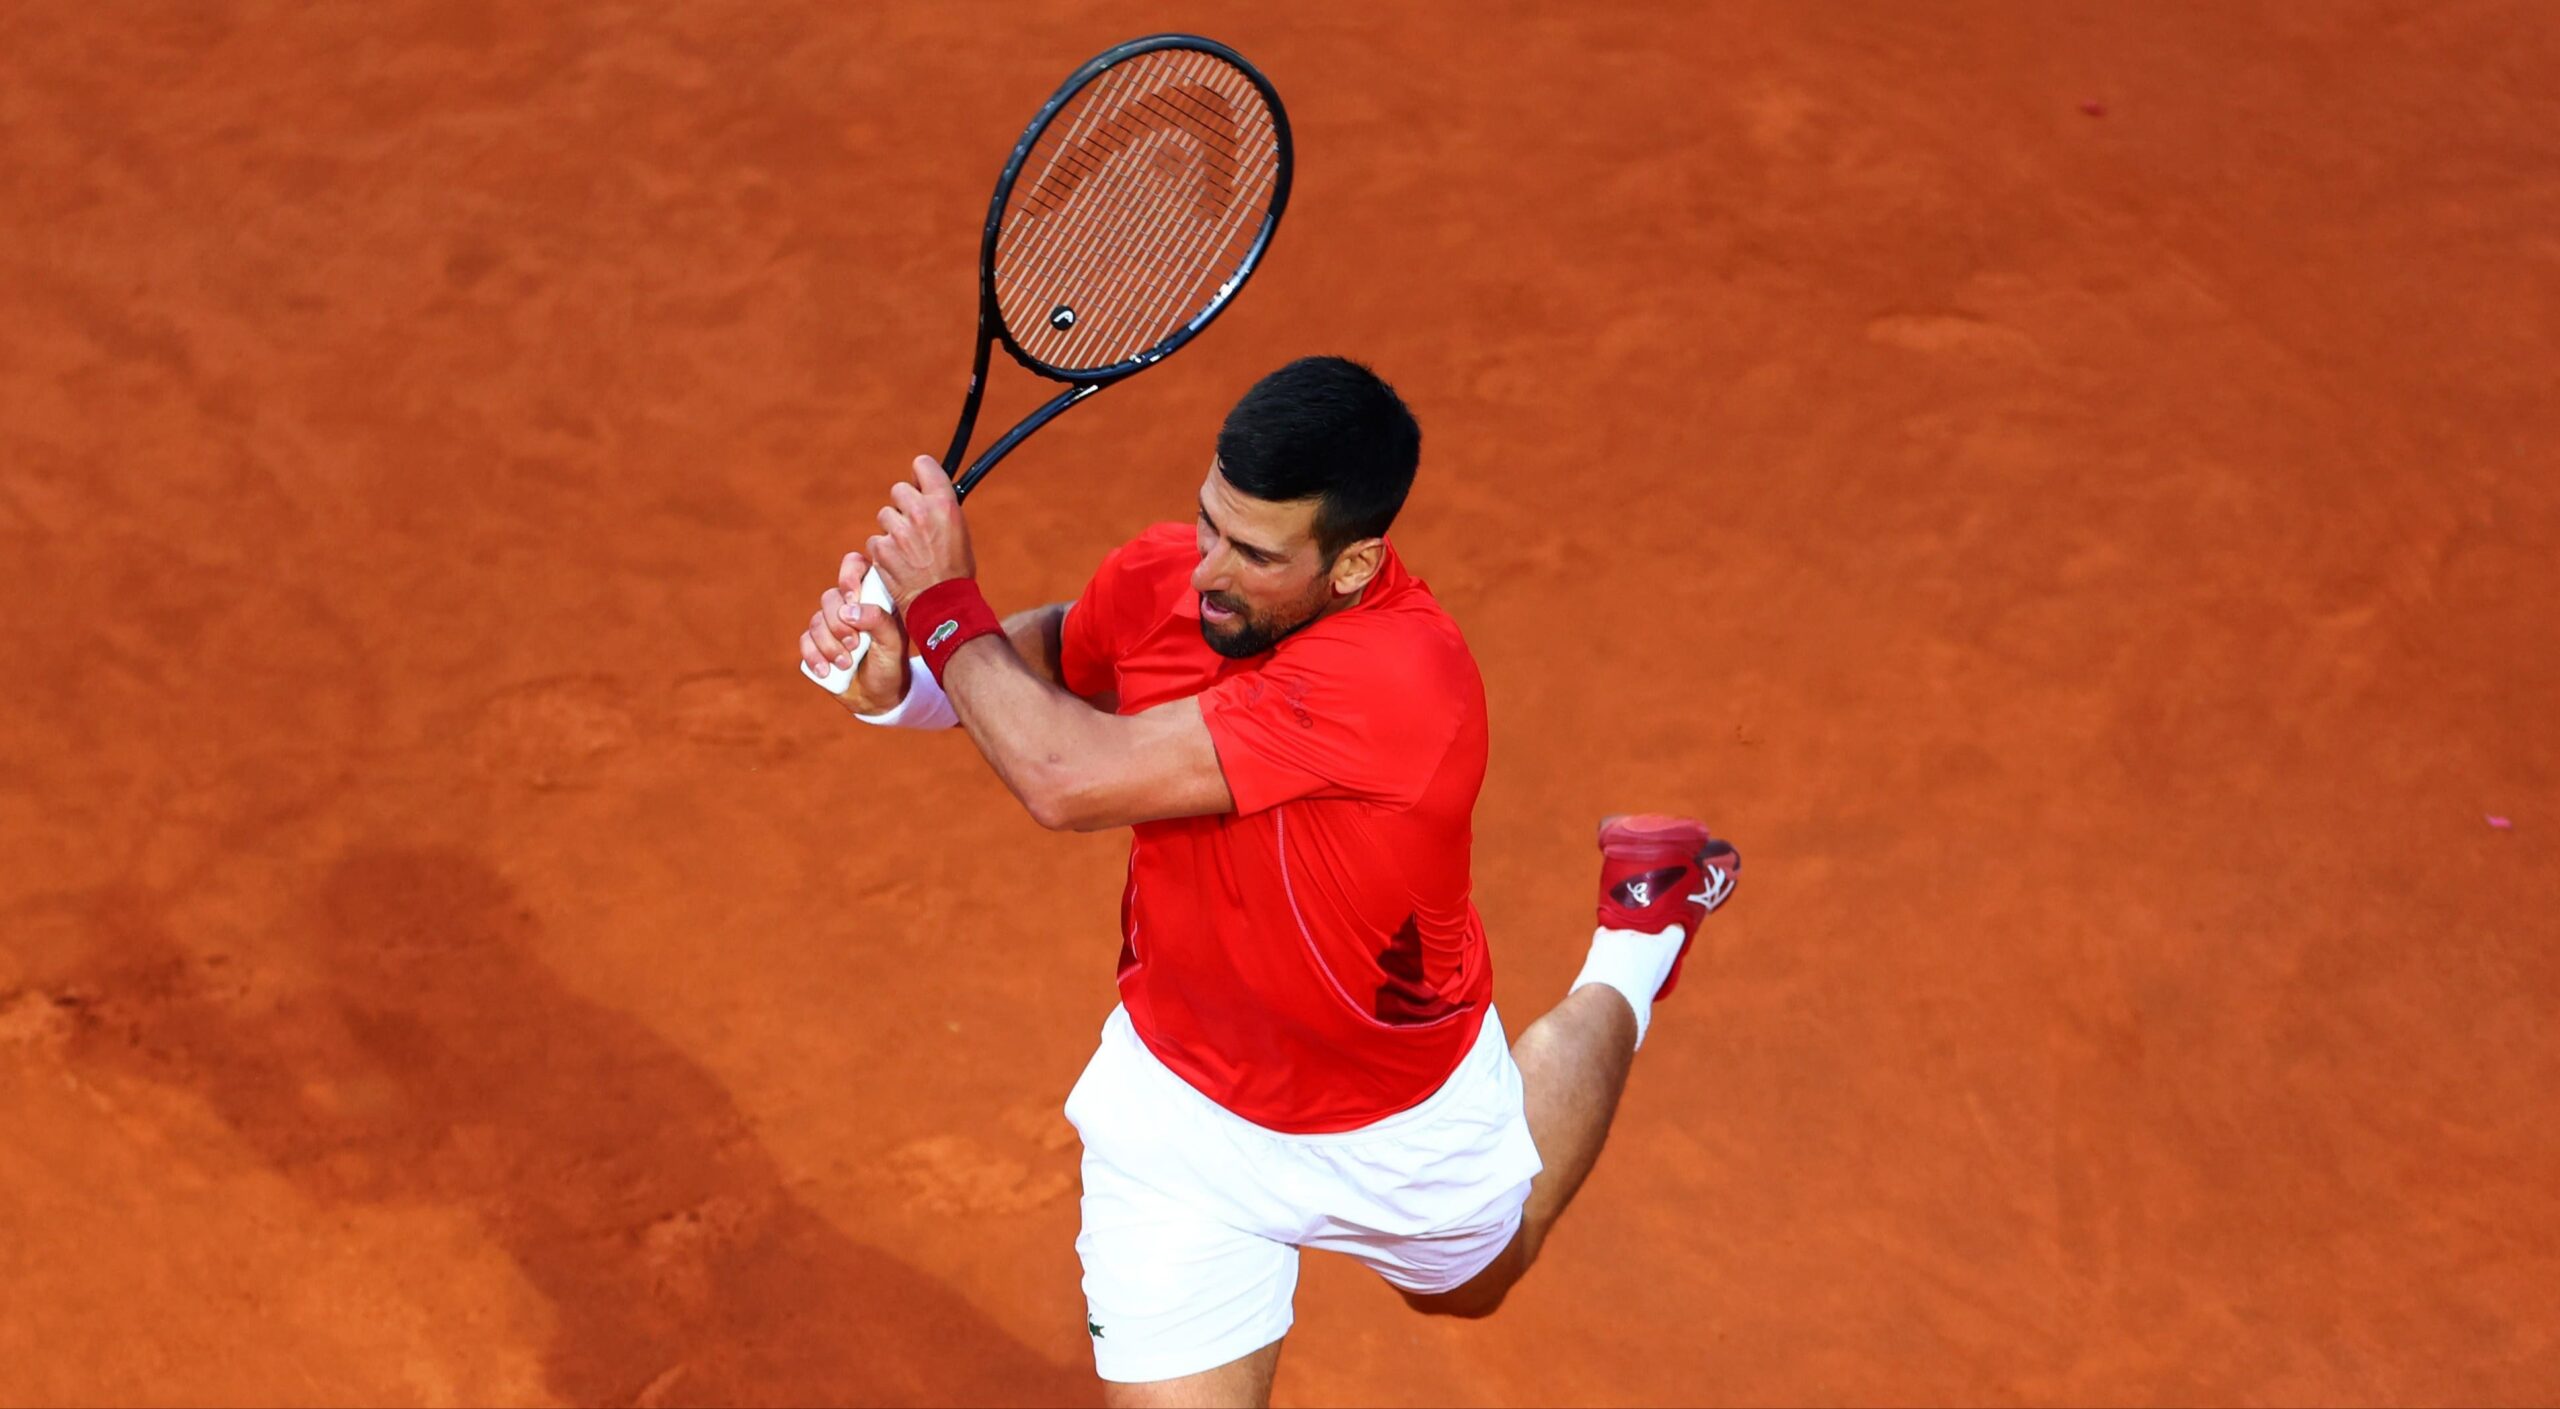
(1357, 564)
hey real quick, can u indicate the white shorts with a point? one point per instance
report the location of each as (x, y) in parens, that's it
(1193, 1215)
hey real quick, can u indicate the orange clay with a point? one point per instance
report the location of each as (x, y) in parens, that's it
(2100, 570)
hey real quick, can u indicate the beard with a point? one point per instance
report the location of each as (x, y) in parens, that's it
(1252, 632)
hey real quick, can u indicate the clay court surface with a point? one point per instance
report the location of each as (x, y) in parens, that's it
(2072, 489)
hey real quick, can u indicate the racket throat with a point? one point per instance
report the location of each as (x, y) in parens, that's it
(1004, 446)
(951, 459)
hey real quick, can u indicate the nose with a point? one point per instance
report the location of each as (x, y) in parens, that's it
(1211, 575)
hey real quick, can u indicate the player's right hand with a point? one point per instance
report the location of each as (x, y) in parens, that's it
(843, 619)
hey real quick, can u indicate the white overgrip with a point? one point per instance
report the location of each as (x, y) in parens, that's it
(827, 676)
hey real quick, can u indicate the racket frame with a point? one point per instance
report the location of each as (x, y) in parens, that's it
(991, 324)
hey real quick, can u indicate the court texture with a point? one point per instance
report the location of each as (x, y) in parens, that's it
(2071, 489)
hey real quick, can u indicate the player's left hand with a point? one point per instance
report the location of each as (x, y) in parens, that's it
(923, 538)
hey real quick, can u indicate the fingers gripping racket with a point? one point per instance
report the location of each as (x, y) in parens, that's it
(1135, 206)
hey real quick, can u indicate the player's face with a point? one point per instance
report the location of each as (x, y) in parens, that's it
(1261, 575)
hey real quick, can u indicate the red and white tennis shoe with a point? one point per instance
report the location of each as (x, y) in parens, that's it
(1657, 871)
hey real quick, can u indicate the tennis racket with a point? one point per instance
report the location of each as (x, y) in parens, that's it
(1135, 206)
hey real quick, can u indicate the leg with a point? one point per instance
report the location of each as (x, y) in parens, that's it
(1573, 1065)
(1239, 1384)
(1574, 1061)
(1184, 1301)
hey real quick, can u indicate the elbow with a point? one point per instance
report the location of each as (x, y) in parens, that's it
(1049, 814)
(1060, 801)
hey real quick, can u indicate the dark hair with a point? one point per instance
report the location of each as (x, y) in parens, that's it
(1324, 428)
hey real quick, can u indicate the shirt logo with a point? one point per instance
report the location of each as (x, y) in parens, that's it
(941, 634)
(1295, 692)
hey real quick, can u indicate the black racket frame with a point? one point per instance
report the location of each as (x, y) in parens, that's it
(991, 325)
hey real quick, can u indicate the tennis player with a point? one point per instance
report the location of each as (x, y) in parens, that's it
(1305, 1054)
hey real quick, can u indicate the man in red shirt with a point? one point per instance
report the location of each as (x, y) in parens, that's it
(1306, 1052)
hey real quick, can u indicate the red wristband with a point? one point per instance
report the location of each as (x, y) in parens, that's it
(947, 616)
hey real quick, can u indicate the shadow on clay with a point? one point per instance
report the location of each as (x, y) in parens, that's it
(434, 1059)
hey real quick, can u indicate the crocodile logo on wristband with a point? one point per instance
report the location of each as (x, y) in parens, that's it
(959, 616)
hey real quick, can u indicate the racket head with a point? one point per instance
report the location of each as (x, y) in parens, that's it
(1134, 207)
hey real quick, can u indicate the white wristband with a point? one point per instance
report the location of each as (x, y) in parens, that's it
(925, 706)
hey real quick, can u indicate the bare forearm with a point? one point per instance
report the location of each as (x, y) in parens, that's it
(1071, 764)
(1030, 729)
(1079, 767)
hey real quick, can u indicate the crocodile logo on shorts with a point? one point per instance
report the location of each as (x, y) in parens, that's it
(1094, 1327)
(941, 634)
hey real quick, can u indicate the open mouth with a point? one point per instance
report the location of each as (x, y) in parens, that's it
(1211, 611)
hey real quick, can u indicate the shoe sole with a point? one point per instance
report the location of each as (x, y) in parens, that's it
(1652, 830)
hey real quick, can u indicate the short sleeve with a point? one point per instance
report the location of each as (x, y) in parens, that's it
(1085, 653)
(1112, 611)
(1347, 714)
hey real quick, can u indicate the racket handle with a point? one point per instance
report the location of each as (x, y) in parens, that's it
(835, 681)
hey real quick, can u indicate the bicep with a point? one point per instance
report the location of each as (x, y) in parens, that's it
(1038, 635)
(1157, 763)
(1034, 633)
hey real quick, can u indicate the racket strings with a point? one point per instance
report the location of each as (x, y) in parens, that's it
(1136, 209)
(1107, 128)
(1169, 278)
(1201, 109)
(1175, 108)
(1133, 198)
(1129, 179)
(1153, 254)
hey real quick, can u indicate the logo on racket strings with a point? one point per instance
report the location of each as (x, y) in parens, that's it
(1062, 317)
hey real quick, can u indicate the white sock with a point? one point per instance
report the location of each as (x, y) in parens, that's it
(1635, 964)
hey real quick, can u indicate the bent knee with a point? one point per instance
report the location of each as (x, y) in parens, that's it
(1483, 1294)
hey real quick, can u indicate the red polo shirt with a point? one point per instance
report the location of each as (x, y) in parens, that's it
(1313, 961)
